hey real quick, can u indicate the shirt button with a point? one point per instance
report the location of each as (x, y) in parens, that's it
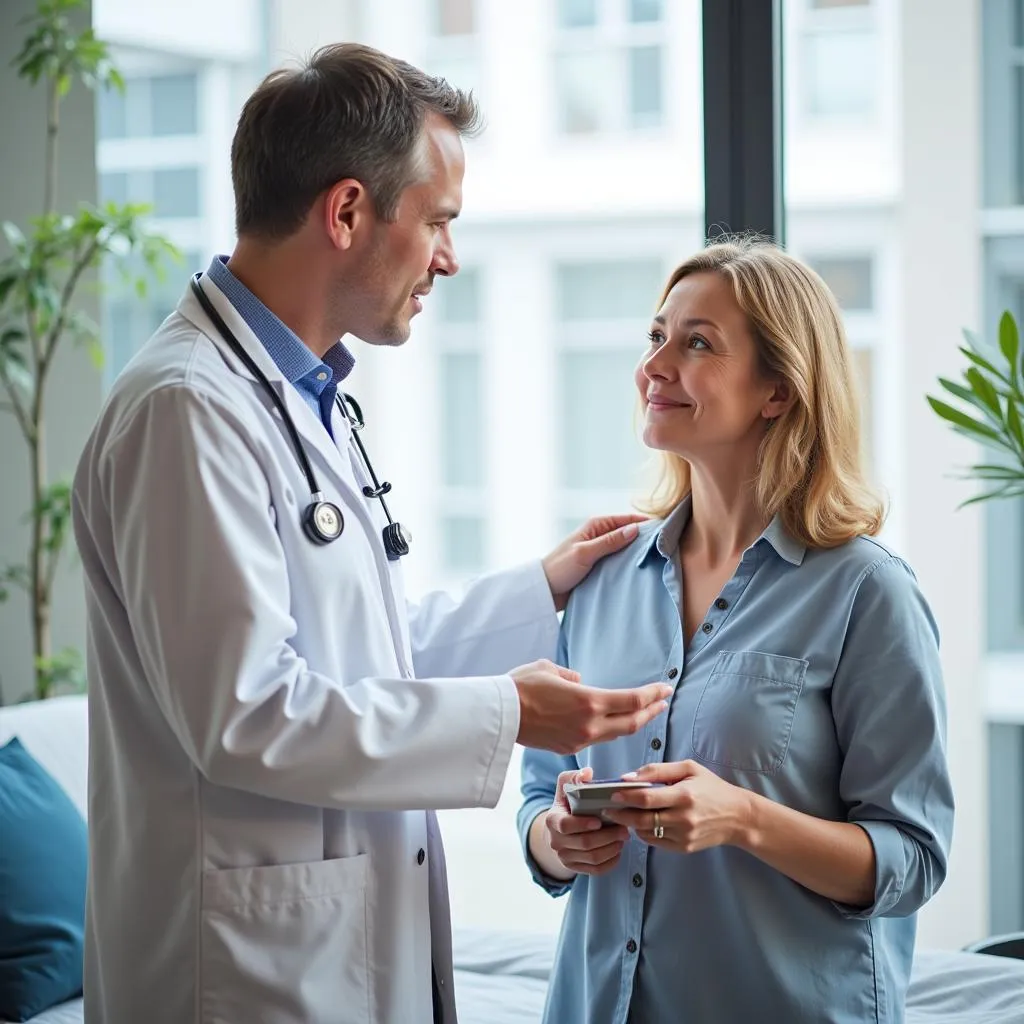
(656, 744)
(321, 376)
(721, 604)
(631, 946)
(421, 856)
(707, 627)
(672, 673)
(638, 880)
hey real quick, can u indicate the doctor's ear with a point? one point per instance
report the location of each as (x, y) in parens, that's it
(345, 206)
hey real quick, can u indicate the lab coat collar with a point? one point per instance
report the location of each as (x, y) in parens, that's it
(332, 456)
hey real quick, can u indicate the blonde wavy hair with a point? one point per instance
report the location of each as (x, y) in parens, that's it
(809, 463)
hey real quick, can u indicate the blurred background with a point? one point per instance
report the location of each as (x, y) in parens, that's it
(508, 418)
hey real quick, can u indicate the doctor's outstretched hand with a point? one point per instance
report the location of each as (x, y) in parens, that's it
(570, 562)
(556, 713)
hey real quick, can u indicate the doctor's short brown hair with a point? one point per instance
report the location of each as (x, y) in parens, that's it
(350, 111)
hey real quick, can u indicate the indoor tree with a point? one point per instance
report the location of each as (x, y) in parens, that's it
(40, 276)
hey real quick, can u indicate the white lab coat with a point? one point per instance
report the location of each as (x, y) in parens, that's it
(262, 761)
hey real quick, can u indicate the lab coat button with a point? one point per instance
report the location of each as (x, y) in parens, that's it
(631, 946)
(656, 744)
(672, 673)
(421, 856)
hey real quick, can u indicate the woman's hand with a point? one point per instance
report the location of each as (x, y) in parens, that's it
(582, 844)
(695, 808)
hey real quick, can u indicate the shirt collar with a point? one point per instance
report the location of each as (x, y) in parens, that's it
(665, 539)
(293, 358)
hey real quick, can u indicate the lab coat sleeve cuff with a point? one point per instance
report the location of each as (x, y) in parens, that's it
(890, 871)
(508, 730)
(527, 815)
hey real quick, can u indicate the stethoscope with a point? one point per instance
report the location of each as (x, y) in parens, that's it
(322, 520)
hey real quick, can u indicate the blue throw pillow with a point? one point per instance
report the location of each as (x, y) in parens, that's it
(43, 858)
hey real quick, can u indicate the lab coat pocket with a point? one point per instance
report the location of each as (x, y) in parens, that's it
(745, 715)
(285, 944)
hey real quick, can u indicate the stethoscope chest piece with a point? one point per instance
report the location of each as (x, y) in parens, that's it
(323, 522)
(396, 541)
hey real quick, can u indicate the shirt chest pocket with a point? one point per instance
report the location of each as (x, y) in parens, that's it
(744, 717)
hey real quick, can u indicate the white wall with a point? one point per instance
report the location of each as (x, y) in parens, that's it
(940, 293)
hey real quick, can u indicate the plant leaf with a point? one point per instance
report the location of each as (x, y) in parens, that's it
(1009, 341)
(982, 387)
(965, 422)
(984, 364)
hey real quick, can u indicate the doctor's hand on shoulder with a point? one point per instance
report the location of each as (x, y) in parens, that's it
(557, 713)
(570, 562)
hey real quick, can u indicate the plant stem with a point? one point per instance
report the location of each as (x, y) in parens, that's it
(52, 125)
(40, 589)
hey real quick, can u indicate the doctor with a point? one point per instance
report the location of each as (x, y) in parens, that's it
(270, 725)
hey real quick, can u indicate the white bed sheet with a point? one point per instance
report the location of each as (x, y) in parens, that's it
(501, 978)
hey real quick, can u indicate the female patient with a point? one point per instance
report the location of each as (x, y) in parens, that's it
(806, 811)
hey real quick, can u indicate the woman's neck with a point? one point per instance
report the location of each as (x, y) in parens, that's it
(724, 518)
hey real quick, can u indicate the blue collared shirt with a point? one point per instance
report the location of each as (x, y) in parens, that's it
(316, 381)
(814, 681)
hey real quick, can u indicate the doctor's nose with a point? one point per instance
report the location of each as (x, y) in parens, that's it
(445, 262)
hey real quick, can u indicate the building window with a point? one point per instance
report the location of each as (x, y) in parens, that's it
(172, 192)
(463, 429)
(150, 107)
(453, 45)
(850, 278)
(1003, 106)
(603, 312)
(840, 65)
(609, 65)
(454, 18)
(129, 317)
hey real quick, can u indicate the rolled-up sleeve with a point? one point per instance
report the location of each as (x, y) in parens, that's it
(889, 708)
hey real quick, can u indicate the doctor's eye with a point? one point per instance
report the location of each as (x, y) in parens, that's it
(656, 339)
(699, 343)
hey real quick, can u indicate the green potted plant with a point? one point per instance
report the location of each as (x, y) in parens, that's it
(40, 276)
(989, 408)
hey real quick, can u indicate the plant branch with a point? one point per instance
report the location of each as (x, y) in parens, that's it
(53, 338)
(15, 407)
(52, 127)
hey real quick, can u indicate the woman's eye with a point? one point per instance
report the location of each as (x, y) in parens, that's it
(656, 338)
(698, 343)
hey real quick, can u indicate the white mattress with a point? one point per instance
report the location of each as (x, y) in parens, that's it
(501, 978)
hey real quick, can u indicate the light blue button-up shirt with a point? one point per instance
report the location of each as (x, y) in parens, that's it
(317, 382)
(814, 681)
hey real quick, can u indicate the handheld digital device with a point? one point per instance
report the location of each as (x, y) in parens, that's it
(591, 798)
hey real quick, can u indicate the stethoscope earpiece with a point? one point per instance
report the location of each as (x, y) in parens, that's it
(322, 521)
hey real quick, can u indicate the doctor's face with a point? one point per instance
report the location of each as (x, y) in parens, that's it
(409, 252)
(702, 386)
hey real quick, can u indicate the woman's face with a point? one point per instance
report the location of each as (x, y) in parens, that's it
(700, 381)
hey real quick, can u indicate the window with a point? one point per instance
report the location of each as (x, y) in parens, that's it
(609, 65)
(462, 454)
(148, 107)
(129, 319)
(176, 192)
(604, 309)
(599, 451)
(453, 50)
(462, 425)
(454, 17)
(172, 191)
(840, 66)
(850, 278)
(1003, 85)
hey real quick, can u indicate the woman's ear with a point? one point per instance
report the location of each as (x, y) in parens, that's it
(779, 401)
